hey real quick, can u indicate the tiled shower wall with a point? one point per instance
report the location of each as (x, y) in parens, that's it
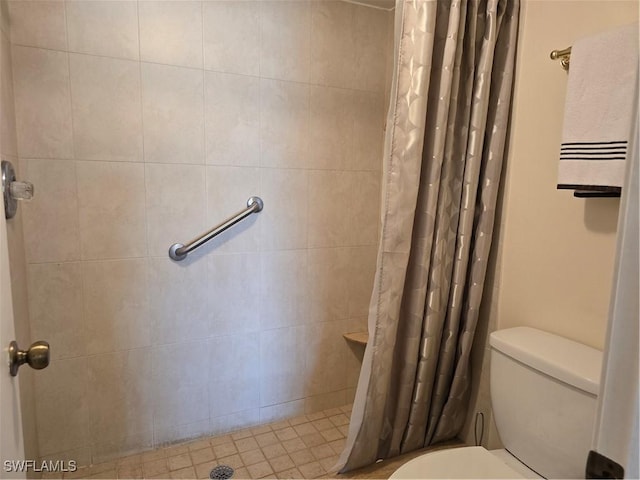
(146, 123)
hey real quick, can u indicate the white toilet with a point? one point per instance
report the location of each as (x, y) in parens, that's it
(543, 393)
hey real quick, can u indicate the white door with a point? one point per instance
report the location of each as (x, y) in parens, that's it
(615, 440)
(11, 442)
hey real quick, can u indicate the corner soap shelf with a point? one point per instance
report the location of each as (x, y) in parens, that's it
(360, 338)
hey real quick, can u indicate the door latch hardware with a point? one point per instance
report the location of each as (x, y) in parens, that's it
(37, 356)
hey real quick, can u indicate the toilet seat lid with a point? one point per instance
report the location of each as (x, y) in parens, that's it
(465, 462)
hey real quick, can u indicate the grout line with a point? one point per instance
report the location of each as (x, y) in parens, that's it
(80, 263)
(310, 83)
(205, 145)
(142, 134)
(266, 167)
(262, 226)
(205, 151)
(150, 320)
(202, 32)
(205, 214)
(308, 133)
(66, 32)
(211, 254)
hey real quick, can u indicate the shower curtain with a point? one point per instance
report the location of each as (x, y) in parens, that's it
(444, 149)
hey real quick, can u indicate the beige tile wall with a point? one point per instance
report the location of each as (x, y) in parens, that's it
(145, 123)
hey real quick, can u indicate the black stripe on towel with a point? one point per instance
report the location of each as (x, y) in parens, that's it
(594, 146)
(591, 149)
(592, 154)
(591, 191)
(623, 142)
(594, 188)
(591, 158)
(594, 194)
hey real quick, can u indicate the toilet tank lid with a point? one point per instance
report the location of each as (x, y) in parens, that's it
(568, 361)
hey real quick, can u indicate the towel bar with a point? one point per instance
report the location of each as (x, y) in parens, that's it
(563, 55)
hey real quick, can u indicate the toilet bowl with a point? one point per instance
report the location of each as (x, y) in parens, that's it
(543, 394)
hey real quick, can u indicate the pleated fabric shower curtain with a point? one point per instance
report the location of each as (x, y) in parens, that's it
(444, 149)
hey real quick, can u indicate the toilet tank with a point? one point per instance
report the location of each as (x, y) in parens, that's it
(543, 395)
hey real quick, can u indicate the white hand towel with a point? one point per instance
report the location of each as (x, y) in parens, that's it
(599, 110)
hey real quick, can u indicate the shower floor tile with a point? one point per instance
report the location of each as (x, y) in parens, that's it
(301, 447)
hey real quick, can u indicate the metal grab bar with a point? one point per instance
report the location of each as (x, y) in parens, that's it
(178, 251)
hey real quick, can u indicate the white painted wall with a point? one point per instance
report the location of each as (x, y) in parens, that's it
(557, 251)
(552, 263)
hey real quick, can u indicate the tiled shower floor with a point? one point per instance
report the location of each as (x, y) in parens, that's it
(303, 447)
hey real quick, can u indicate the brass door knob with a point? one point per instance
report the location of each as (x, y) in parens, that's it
(37, 356)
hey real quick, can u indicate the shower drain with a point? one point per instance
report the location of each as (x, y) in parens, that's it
(221, 472)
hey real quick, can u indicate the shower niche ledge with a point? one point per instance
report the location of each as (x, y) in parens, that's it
(360, 338)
